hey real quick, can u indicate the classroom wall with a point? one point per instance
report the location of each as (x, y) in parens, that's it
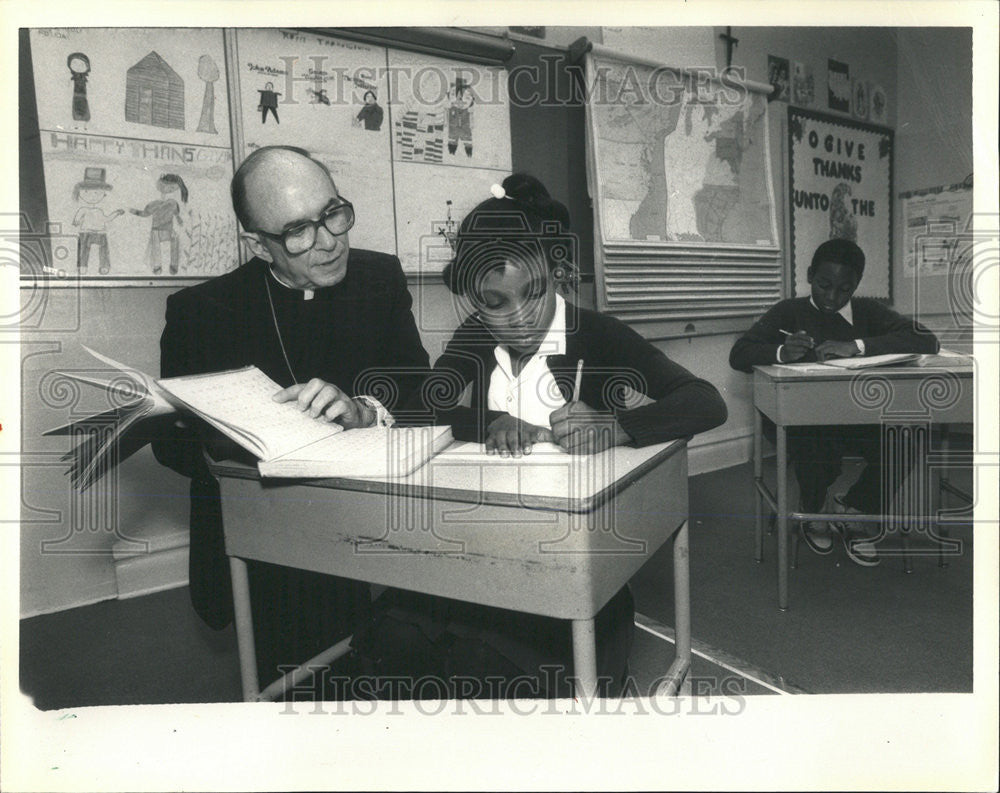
(933, 146)
(76, 566)
(870, 52)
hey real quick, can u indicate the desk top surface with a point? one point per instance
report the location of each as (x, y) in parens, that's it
(575, 483)
(817, 372)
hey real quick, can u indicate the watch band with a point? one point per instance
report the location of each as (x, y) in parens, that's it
(383, 418)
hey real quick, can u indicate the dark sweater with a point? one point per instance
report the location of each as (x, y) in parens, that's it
(614, 356)
(880, 328)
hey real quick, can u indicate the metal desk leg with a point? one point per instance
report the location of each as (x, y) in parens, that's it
(585, 657)
(782, 518)
(758, 499)
(244, 629)
(682, 604)
(676, 680)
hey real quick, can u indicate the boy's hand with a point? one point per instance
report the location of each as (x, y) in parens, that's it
(580, 429)
(836, 349)
(510, 437)
(796, 346)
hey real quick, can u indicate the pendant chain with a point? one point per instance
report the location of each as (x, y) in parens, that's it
(277, 330)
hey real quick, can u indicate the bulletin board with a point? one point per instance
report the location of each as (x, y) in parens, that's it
(138, 152)
(840, 186)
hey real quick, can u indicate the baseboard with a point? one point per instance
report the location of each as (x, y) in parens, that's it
(716, 455)
(154, 572)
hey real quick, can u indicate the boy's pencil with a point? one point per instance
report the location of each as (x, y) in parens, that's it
(579, 377)
(788, 333)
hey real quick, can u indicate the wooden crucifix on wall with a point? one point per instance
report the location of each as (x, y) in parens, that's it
(731, 42)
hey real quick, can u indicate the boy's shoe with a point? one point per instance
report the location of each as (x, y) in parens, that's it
(860, 549)
(817, 535)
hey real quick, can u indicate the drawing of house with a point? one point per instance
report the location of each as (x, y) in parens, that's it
(154, 94)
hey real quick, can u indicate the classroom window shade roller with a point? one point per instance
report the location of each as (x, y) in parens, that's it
(680, 175)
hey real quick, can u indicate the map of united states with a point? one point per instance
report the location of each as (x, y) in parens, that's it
(691, 169)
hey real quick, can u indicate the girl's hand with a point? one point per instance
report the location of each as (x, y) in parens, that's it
(580, 429)
(836, 349)
(510, 437)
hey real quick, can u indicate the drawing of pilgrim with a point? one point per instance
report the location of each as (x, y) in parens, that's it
(91, 219)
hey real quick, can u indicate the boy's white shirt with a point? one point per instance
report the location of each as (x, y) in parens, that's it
(846, 311)
(533, 394)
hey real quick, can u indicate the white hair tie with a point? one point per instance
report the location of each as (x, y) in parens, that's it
(498, 191)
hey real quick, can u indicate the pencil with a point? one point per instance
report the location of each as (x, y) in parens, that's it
(579, 377)
(789, 333)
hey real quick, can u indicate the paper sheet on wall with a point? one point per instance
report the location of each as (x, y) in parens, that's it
(935, 223)
(450, 143)
(135, 142)
(327, 96)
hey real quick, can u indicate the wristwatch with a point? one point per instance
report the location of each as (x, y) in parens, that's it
(383, 418)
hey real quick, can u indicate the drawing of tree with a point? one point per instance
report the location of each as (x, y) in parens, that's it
(209, 72)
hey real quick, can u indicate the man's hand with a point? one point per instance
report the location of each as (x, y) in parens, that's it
(580, 429)
(836, 349)
(326, 402)
(796, 346)
(509, 436)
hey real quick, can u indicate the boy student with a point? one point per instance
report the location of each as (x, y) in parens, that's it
(540, 369)
(830, 323)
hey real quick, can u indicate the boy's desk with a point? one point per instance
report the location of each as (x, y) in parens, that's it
(940, 393)
(545, 534)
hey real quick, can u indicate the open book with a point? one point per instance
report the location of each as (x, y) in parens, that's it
(871, 361)
(143, 412)
(291, 443)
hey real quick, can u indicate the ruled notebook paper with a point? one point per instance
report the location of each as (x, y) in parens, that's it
(239, 403)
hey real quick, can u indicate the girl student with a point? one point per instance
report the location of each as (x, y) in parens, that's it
(521, 346)
(520, 350)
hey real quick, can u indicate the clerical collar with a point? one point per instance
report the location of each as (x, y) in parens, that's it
(307, 294)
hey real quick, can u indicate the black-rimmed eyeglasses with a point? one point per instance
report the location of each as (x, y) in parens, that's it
(337, 218)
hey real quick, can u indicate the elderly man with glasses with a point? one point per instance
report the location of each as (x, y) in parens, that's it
(331, 324)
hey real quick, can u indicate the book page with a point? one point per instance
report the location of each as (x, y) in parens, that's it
(470, 451)
(871, 361)
(239, 403)
(382, 452)
(162, 401)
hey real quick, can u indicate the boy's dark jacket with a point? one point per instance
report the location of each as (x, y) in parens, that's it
(616, 360)
(880, 328)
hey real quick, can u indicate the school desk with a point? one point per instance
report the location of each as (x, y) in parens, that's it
(905, 399)
(555, 536)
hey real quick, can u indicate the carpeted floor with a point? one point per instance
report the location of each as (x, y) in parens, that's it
(848, 630)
